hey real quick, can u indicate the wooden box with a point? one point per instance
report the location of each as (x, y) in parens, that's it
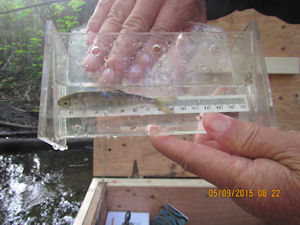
(190, 196)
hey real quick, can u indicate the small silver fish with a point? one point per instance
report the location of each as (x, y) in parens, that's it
(82, 100)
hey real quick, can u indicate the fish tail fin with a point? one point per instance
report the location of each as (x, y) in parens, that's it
(163, 104)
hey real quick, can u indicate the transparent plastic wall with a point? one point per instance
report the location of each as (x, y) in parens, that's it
(190, 73)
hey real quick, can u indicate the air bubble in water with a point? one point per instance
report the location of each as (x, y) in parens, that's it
(133, 128)
(137, 44)
(160, 63)
(216, 78)
(202, 67)
(213, 48)
(168, 43)
(76, 127)
(156, 48)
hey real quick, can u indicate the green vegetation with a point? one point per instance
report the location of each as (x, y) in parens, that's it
(22, 37)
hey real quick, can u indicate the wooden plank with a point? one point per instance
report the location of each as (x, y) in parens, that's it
(286, 92)
(91, 214)
(93, 203)
(85, 205)
(103, 208)
(279, 39)
(152, 182)
(124, 150)
(190, 196)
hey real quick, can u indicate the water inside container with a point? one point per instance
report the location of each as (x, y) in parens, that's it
(163, 79)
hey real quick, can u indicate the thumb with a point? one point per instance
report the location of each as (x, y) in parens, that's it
(252, 141)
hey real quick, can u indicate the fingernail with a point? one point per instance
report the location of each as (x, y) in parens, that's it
(217, 123)
(152, 130)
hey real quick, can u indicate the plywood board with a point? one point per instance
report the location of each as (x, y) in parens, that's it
(124, 150)
(193, 202)
(279, 39)
(286, 97)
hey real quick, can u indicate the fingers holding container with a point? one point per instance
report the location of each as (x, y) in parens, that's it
(130, 40)
(126, 53)
(101, 42)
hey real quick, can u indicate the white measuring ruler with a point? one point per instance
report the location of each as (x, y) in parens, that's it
(182, 105)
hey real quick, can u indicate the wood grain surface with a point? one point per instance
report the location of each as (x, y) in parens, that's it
(279, 39)
(193, 202)
(286, 97)
(124, 150)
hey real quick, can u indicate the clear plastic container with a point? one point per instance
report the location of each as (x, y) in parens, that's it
(204, 70)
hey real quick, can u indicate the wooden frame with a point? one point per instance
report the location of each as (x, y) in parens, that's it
(190, 196)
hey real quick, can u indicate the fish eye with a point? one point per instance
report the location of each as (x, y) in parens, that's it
(66, 103)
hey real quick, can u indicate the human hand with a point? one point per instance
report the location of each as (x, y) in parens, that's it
(240, 155)
(126, 16)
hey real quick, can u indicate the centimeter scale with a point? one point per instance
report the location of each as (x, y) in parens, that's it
(182, 105)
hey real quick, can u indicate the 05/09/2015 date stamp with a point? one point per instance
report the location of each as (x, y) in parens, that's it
(243, 193)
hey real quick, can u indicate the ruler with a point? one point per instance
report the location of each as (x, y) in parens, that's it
(182, 105)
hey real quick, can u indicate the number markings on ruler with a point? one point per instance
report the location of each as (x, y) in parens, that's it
(183, 105)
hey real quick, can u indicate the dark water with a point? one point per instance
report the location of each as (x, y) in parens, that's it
(43, 187)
